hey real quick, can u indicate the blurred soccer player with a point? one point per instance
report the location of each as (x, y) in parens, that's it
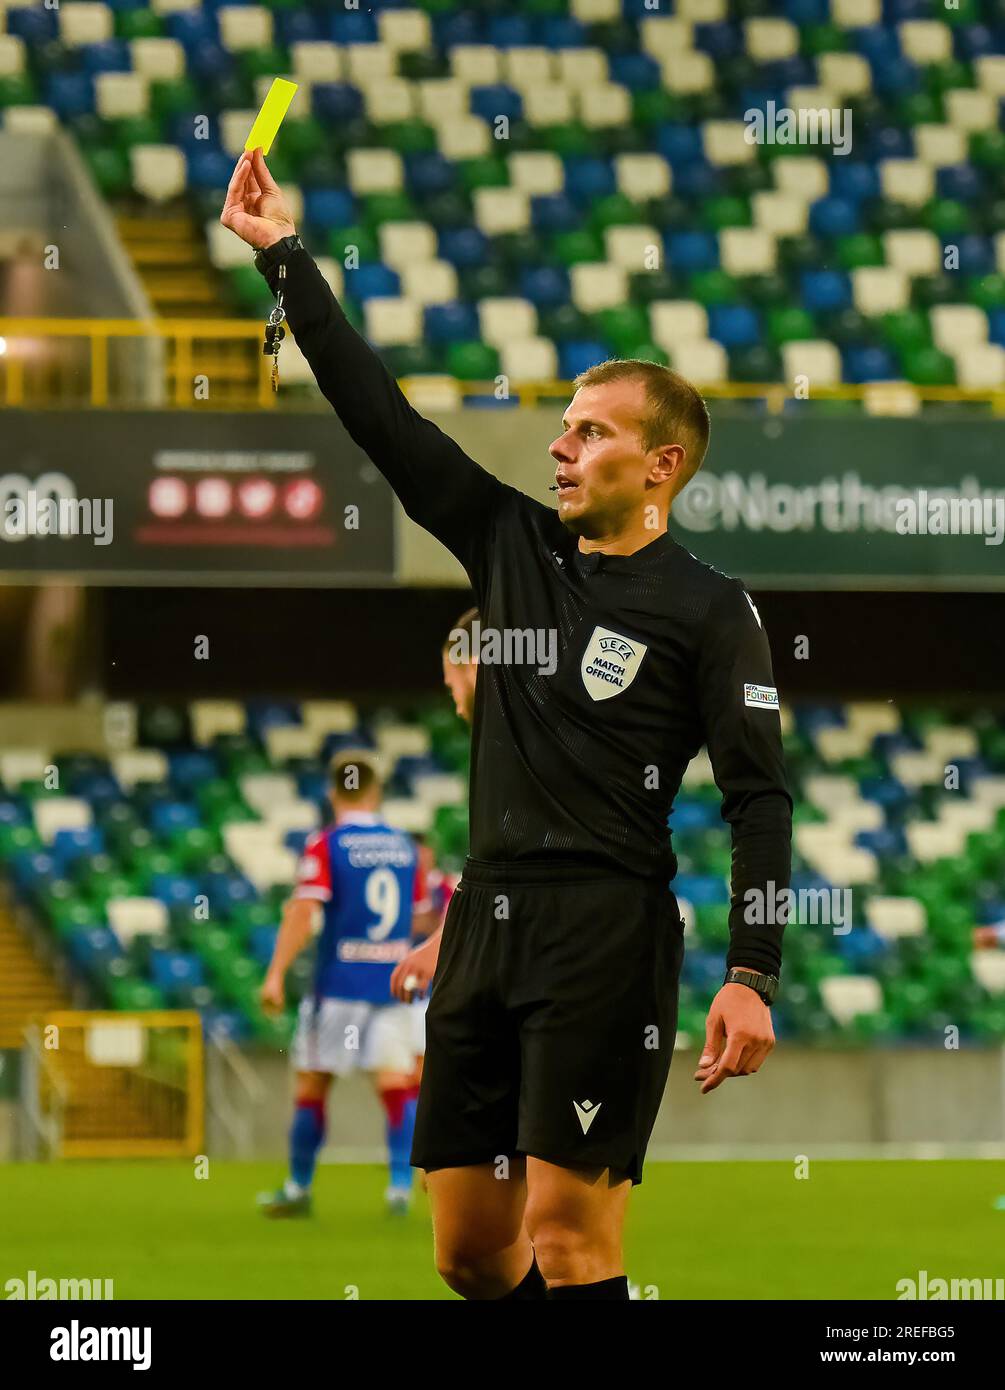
(362, 876)
(411, 979)
(460, 664)
(553, 1014)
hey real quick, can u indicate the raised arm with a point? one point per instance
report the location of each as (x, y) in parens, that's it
(440, 487)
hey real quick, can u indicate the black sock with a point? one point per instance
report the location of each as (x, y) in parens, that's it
(606, 1288)
(531, 1288)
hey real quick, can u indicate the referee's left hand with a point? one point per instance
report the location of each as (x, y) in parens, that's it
(738, 1037)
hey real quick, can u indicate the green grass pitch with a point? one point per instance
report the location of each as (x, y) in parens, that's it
(696, 1230)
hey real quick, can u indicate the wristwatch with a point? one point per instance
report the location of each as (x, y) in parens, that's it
(764, 985)
(270, 256)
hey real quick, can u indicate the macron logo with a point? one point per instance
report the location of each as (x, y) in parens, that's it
(586, 1112)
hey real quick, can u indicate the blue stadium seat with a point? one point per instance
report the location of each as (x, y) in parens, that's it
(895, 76)
(825, 291)
(261, 943)
(70, 93)
(226, 891)
(697, 181)
(169, 816)
(579, 355)
(430, 172)
(325, 208)
(554, 212)
(835, 217)
(701, 889)
(588, 177)
(374, 280)
(336, 102)
(734, 325)
(561, 31)
(679, 144)
(172, 970)
(718, 40)
(636, 71)
(209, 168)
(496, 100)
(976, 253)
(546, 286)
(192, 766)
(298, 26)
(210, 63)
(262, 715)
(456, 322)
(33, 23)
(350, 26)
(463, 247)
(853, 179)
(959, 181)
(194, 29)
(111, 56)
(510, 31)
(174, 890)
(690, 251)
(70, 845)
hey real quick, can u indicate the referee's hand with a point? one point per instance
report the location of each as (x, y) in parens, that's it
(738, 1037)
(254, 207)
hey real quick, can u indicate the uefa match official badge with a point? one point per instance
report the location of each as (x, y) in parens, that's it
(610, 663)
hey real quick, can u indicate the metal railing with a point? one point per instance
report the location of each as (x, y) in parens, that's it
(53, 361)
(44, 1123)
(227, 1071)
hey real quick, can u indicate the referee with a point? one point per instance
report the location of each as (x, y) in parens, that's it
(553, 1013)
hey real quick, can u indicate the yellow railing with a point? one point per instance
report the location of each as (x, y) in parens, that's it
(31, 355)
(30, 370)
(146, 1105)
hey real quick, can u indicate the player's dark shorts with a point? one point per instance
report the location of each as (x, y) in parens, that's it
(552, 1018)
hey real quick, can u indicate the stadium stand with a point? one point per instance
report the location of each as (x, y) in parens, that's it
(527, 186)
(157, 873)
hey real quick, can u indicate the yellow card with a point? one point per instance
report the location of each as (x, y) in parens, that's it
(270, 118)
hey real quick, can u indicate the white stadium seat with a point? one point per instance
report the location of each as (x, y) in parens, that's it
(846, 996)
(212, 717)
(374, 171)
(393, 322)
(54, 813)
(503, 320)
(133, 917)
(159, 172)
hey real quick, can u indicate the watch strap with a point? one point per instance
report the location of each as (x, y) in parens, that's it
(270, 256)
(764, 985)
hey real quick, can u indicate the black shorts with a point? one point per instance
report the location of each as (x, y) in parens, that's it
(552, 1018)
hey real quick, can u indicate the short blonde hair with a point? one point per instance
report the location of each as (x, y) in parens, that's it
(677, 412)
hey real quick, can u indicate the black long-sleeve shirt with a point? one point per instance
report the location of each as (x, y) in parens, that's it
(657, 653)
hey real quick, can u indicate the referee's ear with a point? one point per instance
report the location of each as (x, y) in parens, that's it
(669, 464)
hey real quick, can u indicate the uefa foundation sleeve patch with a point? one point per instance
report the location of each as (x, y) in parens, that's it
(760, 696)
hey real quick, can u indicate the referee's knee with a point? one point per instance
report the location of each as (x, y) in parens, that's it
(568, 1254)
(475, 1275)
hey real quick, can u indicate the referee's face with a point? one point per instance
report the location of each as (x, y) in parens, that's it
(604, 473)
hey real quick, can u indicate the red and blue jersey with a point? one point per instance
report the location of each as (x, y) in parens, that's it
(366, 877)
